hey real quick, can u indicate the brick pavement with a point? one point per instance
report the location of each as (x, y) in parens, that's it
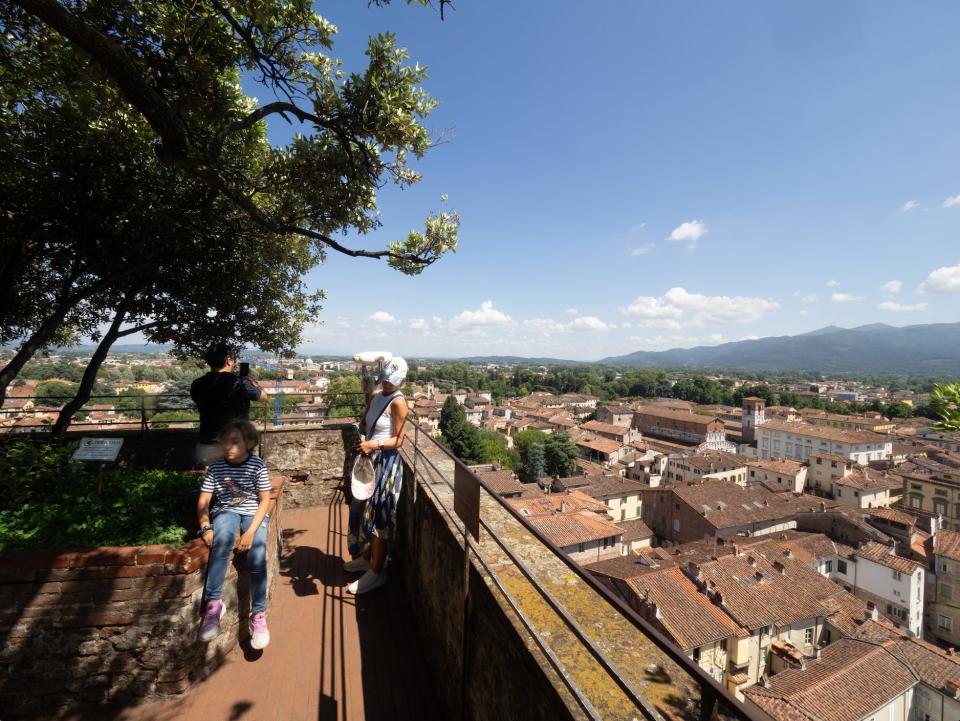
(329, 659)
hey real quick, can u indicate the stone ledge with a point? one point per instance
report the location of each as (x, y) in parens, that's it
(93, 626)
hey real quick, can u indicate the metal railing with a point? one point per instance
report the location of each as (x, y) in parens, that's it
(147, 406)
(714, 698)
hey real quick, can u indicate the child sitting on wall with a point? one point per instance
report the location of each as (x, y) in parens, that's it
(240, 488)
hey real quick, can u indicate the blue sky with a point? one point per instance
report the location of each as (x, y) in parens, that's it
(639, 175)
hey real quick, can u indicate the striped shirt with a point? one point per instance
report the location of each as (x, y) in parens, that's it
(236, 488)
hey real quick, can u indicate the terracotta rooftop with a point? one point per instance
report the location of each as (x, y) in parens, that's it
(836, 435)
(598, 427)
(878, 553)
(757, 593)
(725, 505)
(684, 416)
(553, 503)
(852, 679)
(601, 445)
(784, 466)
(947, 544)
(635, 530)
(714, 461)
(935, 666)
(685, 613)
(568, 529)
(867, 479)
(893, 514)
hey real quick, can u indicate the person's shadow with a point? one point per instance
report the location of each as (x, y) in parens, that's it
(305, 566)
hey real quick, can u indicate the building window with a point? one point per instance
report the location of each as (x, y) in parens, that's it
(944, 623)
(839, 493)
(623, 514)
(808, 636)
(897, 575)
(915, 501)
(696, 655)
(676, 524)
(841, 566)
(946, 592)
(828, 567)
(581, 547)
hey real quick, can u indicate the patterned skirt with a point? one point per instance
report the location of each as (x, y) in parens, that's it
(380, 512)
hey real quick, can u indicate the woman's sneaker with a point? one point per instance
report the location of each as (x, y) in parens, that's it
(210, 628)
(356, 565)
(367, 582)
(259, 633)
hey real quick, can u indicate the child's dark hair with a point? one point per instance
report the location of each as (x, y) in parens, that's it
(216, 355)
(246, 428)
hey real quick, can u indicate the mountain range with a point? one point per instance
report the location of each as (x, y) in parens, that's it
(877, 348)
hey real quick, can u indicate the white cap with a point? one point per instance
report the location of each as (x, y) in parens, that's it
(394, 372)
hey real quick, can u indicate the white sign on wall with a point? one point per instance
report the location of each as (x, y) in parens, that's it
(98, 449)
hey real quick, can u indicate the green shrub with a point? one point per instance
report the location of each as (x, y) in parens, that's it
(51, 501)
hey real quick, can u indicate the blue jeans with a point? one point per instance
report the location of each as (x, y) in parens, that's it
(225, 527)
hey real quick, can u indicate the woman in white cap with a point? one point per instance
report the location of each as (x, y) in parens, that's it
(385, 423)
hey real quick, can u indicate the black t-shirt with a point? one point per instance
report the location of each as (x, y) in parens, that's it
(221, 397)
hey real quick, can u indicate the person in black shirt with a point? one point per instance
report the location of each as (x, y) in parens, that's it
(221, 396)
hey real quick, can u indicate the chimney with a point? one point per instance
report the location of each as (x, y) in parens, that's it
(563, 507)
(871, 613)
(934, 526)
(736, 550)
(788, 553)
(751, 561)
(823, 507)
(758, 576)
(952, 688)
(951, 651)
(780, 568)
(494, 466)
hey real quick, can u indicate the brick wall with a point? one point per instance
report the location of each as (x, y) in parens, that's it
(112, 624)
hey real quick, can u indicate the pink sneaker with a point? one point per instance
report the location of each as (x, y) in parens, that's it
(210, 628)
(259, 633)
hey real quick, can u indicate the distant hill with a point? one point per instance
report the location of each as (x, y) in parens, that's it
(506, 360)
(875, 348)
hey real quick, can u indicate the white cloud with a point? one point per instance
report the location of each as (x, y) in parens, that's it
(714, 338)
(381, 316)
(650, 308)
(902, 308)
(677, 308)
(749, 337)
(942, 280)
(588, 322)
(689, 232)
(908, 206)
(543, 325)
(803, 312)
(571, 311)
(419, 324)
(951, 201)
(844, 297)
(643, 249)
(437, 320)
(833, 283)
(704, 309)
(892, 286)
(486, 317)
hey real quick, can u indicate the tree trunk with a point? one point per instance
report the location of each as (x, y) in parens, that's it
(90, 374)
(34, 343)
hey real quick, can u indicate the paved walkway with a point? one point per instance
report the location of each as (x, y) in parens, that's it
(331, 657)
